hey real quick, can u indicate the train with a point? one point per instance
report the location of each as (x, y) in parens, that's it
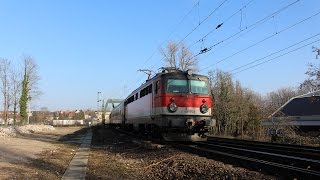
(176, 105)
(107, 108)
(301, 112)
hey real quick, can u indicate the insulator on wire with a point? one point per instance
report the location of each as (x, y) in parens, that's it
(219, 25)
(204, 50)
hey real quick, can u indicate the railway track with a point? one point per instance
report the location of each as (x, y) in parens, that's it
(288, 161)
(284, 149)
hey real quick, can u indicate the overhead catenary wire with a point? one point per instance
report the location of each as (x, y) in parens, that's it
(170, 34)
(222, 23)
(268, 37)
(174, 29)
(201, 22)
(274, 53)
(296, 49)
(248, 28)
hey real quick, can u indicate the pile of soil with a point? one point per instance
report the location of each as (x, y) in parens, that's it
(7, 132)
(27, 129)
(12, 131)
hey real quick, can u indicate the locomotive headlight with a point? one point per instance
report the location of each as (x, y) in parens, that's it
(204, 108)
(172, 107)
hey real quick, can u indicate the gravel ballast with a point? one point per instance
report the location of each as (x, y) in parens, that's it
(115, 156)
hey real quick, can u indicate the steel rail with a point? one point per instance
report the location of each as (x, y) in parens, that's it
(303, 153)
(295, 171)
(267, 144)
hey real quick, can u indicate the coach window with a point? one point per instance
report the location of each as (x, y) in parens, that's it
(136, 96)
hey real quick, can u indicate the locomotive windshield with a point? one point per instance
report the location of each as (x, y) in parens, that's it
(185, 86)
(177, 86)
(199, 87)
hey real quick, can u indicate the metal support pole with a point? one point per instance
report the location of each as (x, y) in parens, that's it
(98, 100)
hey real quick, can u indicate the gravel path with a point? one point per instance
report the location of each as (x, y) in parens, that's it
(37, 154)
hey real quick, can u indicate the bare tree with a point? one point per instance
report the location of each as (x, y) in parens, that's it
(16, 81)
(187, 60)
(316, 50)
(277, 98)
(313, 82)
(236, 109)
(222, 89)
(180, 57)
(33, 78)
(5, 86)
(170, 54)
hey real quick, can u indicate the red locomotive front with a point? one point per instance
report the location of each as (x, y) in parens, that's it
(183, 103)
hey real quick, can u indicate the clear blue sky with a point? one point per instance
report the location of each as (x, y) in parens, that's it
(83, 47)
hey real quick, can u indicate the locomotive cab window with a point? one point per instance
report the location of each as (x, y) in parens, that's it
(177, 86)
(199, 87)
(195, 86)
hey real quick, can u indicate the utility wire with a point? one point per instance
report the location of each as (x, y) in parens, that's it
(277, 56)
(277, 33)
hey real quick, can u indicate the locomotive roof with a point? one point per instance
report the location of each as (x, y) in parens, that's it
(171, 73)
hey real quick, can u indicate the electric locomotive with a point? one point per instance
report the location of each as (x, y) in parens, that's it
(176, 104)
